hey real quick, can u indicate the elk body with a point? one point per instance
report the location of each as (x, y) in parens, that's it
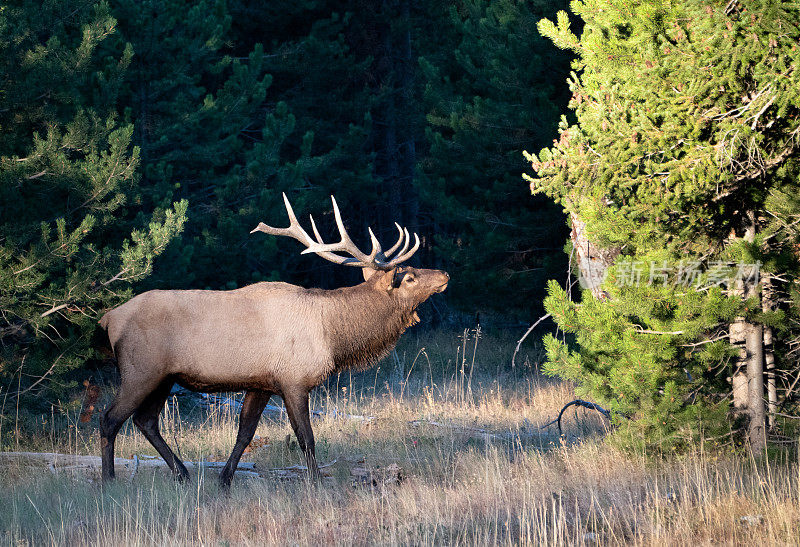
(265, 339)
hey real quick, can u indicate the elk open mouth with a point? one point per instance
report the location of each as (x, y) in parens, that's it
(442, 287)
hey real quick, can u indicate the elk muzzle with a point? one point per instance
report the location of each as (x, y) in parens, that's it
(445, 279)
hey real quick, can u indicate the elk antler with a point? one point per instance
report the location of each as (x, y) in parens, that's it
(377, 259)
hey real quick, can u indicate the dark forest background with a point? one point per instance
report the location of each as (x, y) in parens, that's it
(141, 141)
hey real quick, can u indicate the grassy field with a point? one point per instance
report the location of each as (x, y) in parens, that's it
(464, 431)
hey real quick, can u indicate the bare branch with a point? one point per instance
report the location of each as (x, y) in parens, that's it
(642, 330)
(524, 336)
(54, 309)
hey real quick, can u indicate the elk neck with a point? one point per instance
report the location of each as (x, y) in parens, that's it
(362, 324)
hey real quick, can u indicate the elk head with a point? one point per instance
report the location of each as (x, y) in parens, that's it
(410, 287)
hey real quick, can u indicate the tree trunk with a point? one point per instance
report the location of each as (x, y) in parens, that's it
(754, 339)
(754, 355)
(772, 389)
(592, 261)
(736, 337)
(767, 304)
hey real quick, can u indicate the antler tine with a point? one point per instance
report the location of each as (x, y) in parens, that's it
(316, 232)
(403, 257)
(394, 247)
(346, 260)
(346, 244)
(290, 211)
(346, 241)
(376, 245)
(406, 241)
(293, 230)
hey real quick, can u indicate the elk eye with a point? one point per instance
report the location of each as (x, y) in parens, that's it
(410, 279)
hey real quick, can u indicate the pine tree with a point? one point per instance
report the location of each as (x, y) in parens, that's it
(197, 113)
(687, 122)
(68, 174)
(500, 92)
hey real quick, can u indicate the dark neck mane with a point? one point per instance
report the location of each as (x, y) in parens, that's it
(362, 325)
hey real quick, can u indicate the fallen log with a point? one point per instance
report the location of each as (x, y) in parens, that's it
(209, 399)
(56, 463)
(457, 427)
(479, 432)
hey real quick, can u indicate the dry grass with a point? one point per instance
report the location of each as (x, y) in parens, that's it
(483, 474)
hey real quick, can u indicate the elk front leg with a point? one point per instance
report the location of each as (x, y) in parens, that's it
(297, 408)
(252, 407)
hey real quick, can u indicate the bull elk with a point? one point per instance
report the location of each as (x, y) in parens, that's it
(269, 338)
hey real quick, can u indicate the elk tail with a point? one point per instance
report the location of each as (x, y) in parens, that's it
(101, 343)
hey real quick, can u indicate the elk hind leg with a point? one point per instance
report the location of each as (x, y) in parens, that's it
(110, 422)
(252, 407)
(146, 419)
(127, 400)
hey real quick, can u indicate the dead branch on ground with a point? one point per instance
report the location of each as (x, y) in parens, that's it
(577, 402)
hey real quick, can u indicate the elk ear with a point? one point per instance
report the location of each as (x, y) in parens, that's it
(397, 277)
(386, 280)
(368, 273)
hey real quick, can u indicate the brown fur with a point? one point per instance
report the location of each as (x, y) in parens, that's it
(267, 338)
